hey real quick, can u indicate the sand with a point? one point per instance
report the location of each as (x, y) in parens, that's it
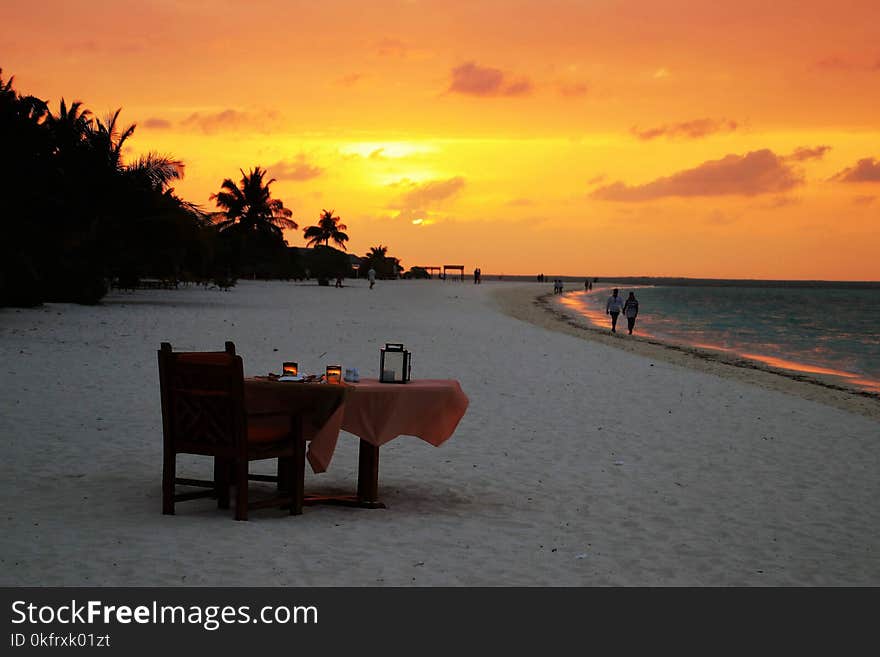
(578, 463)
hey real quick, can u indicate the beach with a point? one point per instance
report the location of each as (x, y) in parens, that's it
(583, 459)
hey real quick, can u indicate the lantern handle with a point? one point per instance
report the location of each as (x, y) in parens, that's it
(394, 346)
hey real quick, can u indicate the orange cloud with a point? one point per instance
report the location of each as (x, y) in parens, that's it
(573, 89)
(296, 169)
(757, 172)
(472, 79)
(687, 129)
(392, 47)
(804, 153)
(157, 124)
(349, 80)
(418, 198)
(866, 170)
(431, 191)
(227, 120)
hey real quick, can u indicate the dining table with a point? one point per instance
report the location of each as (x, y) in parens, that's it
(375, 412)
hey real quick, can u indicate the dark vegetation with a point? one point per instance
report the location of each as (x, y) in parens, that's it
(78, 219)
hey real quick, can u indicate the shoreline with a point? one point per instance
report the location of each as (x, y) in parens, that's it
(540, 308)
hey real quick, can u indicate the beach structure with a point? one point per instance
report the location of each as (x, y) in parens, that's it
(458, 268)
(431, 270)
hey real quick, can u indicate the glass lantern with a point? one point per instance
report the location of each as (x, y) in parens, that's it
(334, 374)
(395, 363)
(290, 369)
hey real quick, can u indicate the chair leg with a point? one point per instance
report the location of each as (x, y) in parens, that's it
(283, 476)
(297, 478)
(241, 489)
(169, 474)
(221, 482)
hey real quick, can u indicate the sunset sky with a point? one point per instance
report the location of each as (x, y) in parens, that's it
(593, 137)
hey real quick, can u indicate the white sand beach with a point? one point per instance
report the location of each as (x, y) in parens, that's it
(577, 463)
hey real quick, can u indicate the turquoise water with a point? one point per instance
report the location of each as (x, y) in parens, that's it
(823, 331)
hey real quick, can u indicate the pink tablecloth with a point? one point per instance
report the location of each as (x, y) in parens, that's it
(429, 409)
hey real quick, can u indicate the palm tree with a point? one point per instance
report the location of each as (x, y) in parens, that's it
(70, 126)
(377, 253)
(250, 208)
(328, 228)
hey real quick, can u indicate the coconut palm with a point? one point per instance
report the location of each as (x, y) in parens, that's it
(377, 252)
(70, 126)
(328, 228)
(250, 208)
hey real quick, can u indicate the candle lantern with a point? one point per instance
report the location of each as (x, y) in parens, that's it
(290, 369)
(334, 374)
(395, 364)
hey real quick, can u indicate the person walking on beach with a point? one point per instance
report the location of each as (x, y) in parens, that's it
(613, 307)
(631, 310)
(371, 276)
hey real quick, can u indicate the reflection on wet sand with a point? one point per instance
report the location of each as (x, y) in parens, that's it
(588, 305)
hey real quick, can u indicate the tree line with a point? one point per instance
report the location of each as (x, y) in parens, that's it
(78, 218)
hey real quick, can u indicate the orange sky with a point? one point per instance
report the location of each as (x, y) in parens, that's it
(592, 137)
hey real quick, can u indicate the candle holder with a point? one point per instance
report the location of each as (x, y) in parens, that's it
(395, 363)
(334, 374)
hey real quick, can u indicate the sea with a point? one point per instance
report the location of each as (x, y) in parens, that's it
(828, 329)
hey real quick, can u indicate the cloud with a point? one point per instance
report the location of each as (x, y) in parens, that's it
(757, 172)
(595, 180)
(866, 170)
(864, 200)
(834, 62)
(392, 47)
(228, 120)
(472, 79)
(661, 73)
(430, 192)
(573, 89)
(417, 198)
(157, 124)
(781, 202)
(296, 169)
(804, 153)
(694, 129)
(349, 80)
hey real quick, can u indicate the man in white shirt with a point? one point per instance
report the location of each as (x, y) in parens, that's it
(371, 276)
(613, 307)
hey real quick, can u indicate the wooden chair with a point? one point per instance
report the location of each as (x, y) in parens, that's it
(203, 412)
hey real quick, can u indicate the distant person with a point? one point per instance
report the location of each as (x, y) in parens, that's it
(338, 280)
(613, 307)
(586, 285)
(371, 276)
(591, 286)
(631, 311)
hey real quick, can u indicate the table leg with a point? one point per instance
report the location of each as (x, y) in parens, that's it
(368, 483)
(368, 475)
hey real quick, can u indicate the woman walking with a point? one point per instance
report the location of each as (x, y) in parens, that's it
(631, 310)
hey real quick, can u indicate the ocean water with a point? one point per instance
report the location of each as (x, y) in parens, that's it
(827, 331)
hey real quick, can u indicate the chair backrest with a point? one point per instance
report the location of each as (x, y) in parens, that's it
(202, 401)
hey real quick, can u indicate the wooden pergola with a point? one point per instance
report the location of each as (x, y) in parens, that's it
(458, 268)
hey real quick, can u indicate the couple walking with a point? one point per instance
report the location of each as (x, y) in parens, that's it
(630, 308)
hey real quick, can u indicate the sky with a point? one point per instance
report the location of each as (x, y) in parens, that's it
(581, 138)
